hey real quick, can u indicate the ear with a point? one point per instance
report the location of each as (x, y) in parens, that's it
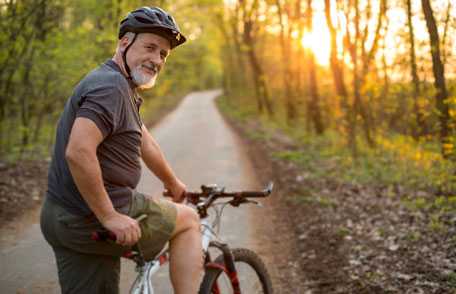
(123, 43)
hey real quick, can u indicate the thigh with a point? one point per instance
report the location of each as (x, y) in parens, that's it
(85, 273)
(157, 228)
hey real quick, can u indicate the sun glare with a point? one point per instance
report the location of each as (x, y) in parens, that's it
(318, 40)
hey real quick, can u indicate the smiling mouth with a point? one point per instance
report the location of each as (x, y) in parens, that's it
(150, 69)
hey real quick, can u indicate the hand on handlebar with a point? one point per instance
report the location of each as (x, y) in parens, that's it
(176, 190)
(125, 228)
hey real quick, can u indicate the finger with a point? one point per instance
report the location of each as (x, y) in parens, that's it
(181, 197)
(120, 238)
(138, 230)
(134, 233)
(129, 238)
(135, 237)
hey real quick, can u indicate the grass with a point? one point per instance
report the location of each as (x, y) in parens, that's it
(397, 161)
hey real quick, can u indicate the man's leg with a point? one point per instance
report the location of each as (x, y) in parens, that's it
(86, 273)
(186, 252)
(179, 224)
(83, 264)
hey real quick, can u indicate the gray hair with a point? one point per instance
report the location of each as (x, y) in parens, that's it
(129, 35)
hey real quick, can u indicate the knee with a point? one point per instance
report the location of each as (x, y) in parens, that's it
(189, 217)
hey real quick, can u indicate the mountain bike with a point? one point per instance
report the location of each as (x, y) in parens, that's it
(236, 271)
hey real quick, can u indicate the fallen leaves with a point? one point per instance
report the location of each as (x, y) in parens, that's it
(22, 186)
(354, 238)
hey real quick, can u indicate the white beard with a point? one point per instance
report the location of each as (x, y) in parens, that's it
(142, 80)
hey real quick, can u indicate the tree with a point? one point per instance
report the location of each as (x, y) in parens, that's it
(439, 76)
(314, 102)
(248, 21)
(420, 123)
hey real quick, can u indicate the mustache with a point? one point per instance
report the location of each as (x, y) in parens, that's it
(153, 67)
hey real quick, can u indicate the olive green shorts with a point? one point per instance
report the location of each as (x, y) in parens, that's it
(157, 228)
(88, 266)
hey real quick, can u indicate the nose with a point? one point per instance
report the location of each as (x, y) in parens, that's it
(156, 59)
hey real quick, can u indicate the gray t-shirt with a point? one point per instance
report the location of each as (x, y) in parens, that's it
(107, 98)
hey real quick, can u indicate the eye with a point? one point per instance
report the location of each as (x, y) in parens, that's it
(151, 47)
(164, 54)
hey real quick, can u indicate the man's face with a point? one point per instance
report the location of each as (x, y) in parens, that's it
(146, 58)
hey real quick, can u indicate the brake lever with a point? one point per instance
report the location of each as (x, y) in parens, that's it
(238, 202)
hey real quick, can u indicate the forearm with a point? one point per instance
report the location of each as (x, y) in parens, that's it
(86, 172)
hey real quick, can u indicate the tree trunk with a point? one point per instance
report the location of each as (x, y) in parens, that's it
(445, 33)
(287, 76)
(339, 82)
(314, 108)
(420, 127)
(261, 89)
(25, 108)
(439, 76)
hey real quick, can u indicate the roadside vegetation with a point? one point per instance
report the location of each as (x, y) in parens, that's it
(352, 104)
(48, 46)
(383, 223)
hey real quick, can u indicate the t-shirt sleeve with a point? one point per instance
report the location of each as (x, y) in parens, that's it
(104, 107)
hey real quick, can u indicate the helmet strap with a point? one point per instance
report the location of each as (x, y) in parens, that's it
(124, 57)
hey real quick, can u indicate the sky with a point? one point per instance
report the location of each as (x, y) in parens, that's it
(319, 40)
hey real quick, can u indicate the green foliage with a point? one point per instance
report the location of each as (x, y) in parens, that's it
(396, 161)
(343, 232)
(414, 236)
(48, 46)
(452, 280)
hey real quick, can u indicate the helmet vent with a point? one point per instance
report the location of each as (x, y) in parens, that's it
(142, 19)
(160, 17)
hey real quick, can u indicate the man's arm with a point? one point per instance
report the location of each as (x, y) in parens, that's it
(81, 156)
(155, 160)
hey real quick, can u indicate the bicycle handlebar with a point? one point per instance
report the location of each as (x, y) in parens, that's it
(213, 192)
(210, 193)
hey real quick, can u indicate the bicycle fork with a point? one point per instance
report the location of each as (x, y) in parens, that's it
(228, 268)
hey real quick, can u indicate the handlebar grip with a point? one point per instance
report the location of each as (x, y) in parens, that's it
(253, 194)
(103, 236)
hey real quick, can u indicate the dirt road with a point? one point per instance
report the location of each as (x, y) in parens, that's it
(201, 149)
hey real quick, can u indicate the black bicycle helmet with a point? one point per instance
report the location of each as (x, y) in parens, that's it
(149, 20)
(152, 20)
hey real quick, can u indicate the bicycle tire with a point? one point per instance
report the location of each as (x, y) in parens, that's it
(244, 256)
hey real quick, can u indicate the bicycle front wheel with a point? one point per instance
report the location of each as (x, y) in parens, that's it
(251, 271)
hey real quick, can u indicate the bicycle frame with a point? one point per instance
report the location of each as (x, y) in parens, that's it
(146, 270)
(143, 284)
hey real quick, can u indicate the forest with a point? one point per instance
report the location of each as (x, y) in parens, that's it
(368, 83)
(362, 75)
(47, 46)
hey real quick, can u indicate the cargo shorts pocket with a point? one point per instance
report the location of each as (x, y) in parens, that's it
(157, 228)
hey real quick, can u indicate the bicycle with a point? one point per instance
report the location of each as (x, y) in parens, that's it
(234, 271)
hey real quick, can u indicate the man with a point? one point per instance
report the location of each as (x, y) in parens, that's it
(96, 167)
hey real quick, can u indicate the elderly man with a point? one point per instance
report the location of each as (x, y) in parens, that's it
(96, 166)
